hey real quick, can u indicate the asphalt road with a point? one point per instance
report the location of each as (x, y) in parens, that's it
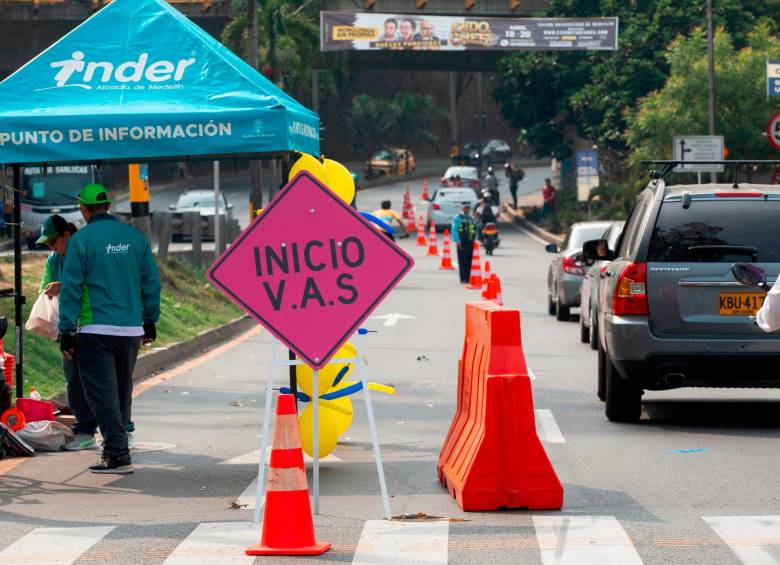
(695, 481)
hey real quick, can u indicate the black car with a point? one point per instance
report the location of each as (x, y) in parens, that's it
(494, 152)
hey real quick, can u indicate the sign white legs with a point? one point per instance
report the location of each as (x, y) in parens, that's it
(315, 385)
(269, 394)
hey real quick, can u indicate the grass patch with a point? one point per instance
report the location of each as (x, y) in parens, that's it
(189, 306)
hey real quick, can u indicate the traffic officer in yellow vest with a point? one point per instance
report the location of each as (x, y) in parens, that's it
(464, 234)
(109, 304)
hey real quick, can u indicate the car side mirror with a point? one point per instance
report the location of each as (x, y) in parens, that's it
(171, 206)
(551, 248)
(590, 250)
(750, 275)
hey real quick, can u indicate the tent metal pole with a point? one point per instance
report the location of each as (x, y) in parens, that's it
(18, 297)
(217, 234)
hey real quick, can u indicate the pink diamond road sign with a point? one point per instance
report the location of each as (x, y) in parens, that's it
(310, 269)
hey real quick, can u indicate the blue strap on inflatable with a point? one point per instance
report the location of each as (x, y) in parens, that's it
(302, 396)
(352, 389)
(342, 373)
(374, 220)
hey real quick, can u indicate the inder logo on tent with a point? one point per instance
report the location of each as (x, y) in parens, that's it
(80, 72)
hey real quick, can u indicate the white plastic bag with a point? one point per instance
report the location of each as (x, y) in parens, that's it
(46, 435)
(45, 317)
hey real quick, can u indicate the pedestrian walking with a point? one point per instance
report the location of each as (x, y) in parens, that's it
(55, 234)
(463, 234)
(514, 176)
(109, 305)
(549, 196)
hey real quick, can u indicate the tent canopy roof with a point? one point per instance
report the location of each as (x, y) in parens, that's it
(138, 80)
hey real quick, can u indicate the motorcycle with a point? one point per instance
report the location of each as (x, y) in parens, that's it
(489, 237)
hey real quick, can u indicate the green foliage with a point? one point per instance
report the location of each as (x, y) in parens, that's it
(369, 121)
(410, 117)
(541, 94)
(680, 107)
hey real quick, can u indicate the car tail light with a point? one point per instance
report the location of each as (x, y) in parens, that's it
(631, 291)
(436, 206)
(443, 182)
(737, 194)
(572, 266)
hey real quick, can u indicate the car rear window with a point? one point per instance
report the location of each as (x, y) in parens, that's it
(717, 231)
(584, 233)
(463, 172)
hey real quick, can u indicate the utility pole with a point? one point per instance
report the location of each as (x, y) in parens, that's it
(255, 167)
(711, 77)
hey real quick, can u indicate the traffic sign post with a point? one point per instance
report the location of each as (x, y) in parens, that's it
(310, 270)
(698, 148)
(773, 131)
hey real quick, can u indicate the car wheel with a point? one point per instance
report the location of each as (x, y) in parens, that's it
(594, 332)
(562, 313)
(551, 309)
(584, 331)
(624, 398)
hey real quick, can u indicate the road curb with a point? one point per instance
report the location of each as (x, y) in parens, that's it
(177, 353)
(531, 227)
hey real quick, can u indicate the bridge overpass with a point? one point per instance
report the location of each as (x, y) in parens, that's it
(30, 26)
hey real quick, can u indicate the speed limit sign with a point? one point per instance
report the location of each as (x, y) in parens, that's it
(773, 131)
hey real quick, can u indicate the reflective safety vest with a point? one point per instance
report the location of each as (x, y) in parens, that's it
(466, 229)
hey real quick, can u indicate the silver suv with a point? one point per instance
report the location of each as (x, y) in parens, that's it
(670, 312)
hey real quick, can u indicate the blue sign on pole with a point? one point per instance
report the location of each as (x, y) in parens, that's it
(772, 78)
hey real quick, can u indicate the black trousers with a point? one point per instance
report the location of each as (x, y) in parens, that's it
(106, 364)
(513, 192)
(465, 254)
(85, 419)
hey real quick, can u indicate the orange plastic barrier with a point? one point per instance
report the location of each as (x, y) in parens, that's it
(492, 457)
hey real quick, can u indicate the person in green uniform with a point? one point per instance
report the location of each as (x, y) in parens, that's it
(55, 234)
(109, 305)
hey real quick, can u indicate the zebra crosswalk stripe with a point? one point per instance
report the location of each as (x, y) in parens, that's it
(216, 543)
(422, 543)
(753, 539)
(53, 546)
(584, 540)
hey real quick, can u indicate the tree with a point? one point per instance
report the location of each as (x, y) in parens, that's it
(680, 106)
(415, 115)
(541, 94)
(370, 120)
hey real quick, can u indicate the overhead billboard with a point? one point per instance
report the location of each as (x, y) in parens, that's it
(352, 31)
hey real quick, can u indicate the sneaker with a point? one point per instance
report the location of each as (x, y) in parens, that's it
(81, 442)
(130, 440)
(119, 466)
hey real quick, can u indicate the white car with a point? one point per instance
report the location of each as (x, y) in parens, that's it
(461, 176)
(201, 201)
(447, 203)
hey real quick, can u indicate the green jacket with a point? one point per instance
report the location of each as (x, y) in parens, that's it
(110, 277)
(52, 270)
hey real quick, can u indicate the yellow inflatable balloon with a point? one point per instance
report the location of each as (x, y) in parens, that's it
(327, 374)
(313, 166)
(341, 408)
(328, 430)
(340, 180)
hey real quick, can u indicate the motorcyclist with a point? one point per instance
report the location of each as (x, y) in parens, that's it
(491, 184)
(483, 214)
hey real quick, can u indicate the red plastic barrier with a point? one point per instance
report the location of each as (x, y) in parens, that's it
(492, 457)
(35, 410)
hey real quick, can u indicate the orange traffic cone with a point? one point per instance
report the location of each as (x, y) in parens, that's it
(288, 528)
(492, 289)
(475, 278)
(433, 245)
(407, 213)
(486, 278)
(412, 226)
(424, 194)
(446, 258)
(421, 233)
(499, 293)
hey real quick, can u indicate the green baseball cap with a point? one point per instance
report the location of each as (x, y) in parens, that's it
(92, 194)
(52, 227)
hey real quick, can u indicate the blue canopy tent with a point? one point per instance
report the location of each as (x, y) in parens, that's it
(135, 82)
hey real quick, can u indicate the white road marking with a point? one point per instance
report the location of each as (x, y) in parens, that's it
(253, 458)
(396, 543)
(584, 540)
(53, 546)
(753, 539)
(547, 428)
(216, 544)
(392, 319)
